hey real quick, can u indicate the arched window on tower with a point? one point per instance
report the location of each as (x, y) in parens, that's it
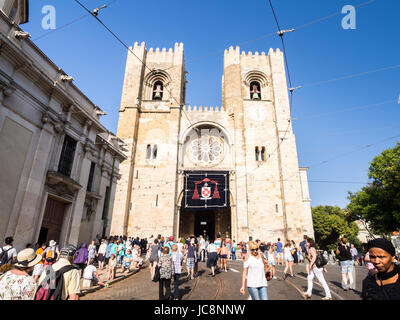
(257, 153)
(255, 90)
(158, 90)
(155, 152)
(263, 154)
(148, 153)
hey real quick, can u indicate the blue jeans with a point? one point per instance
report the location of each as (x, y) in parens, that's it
(346, 266)
(233, 256)
(258, 293)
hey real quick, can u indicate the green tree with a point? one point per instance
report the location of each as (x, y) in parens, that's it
(378, 203)
(330, 223)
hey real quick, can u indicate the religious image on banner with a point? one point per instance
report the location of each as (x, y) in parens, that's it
(206, 189)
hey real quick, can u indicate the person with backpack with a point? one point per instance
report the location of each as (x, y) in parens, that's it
(315, 271)
(51, 253)
(17, 284)
(8, 254)
(61, 280)
(346, 264)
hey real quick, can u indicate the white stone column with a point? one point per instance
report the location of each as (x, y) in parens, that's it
(98, 222)
(77, 210)
(29, 218)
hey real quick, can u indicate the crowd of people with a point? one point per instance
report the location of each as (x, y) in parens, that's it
(47, 272)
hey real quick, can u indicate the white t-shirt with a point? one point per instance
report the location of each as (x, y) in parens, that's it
(287, 252)
(11, 253)
(180, 246)
(202, 244)
(212, 248)
(255, 272)
(103, 249)
(89, 271)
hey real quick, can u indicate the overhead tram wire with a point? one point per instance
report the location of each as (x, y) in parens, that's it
(68, 23)
(131, 51)
(270, 35)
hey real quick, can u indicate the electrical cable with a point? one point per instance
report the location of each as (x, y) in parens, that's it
(68, 24)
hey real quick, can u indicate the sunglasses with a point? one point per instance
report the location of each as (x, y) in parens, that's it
(254, 249)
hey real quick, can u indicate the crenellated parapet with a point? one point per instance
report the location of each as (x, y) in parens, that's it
(203, 108)
(234, 56)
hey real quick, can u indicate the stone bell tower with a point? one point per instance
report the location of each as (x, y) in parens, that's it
(153, 93)
(270, 200)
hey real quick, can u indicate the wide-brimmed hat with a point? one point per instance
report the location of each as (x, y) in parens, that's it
(52, 243)
(28, 258)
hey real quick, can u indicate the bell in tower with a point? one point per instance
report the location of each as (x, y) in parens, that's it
(158, 91)
(255, 91)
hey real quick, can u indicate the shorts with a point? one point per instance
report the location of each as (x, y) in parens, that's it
(100, 258)
(212, 260)
(346, 266)
(271, 262)
(126, 265)
(38, 269)
(223, 256)
(190, 263)
(289, 259)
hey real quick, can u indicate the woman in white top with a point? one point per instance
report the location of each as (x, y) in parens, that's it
(254, 271)
(287, 255)
(315, 271)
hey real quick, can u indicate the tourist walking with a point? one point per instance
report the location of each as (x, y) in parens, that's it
(385, 284)
(223, 255)
(271, 260)
(294, 253)
(81, 257)
(315, 271)
(346, 264)
(111, 267)
(108, 251)
(102, 254)
(51, 253)
(154, 256)
(212, 259)
(279, 252)
(177, 258)
(191, 259)
(354, 254)
(91, 252)
(234, 248)
(67, 278)
(17, 284)
(254, 272)
(166, 274)
(37, 271)
(288, 251)
(8, 254)
(202, 247)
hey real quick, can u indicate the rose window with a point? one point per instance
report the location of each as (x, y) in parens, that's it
(207, 150)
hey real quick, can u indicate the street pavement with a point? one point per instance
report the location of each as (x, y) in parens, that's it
(226, 285)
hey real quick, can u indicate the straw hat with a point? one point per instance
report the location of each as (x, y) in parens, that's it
(52, 243)
(27, 258)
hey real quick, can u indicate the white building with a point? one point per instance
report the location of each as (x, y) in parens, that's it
(57, 161)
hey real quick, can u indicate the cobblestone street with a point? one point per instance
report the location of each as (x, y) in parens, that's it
(226, 286)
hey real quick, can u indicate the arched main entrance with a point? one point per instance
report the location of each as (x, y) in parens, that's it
(205, 205)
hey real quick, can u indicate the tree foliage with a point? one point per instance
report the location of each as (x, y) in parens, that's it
(330, 223)
(378, 203)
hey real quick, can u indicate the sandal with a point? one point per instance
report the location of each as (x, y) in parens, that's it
(326, 298)
(306, 296)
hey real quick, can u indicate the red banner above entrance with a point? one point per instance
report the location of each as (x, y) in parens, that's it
(206, 190)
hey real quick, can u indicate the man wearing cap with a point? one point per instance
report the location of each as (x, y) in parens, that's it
(385, 285)
(72, 278)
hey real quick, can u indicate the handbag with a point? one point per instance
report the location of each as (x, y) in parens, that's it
(156, 277)
(268, 273)
(320, 261)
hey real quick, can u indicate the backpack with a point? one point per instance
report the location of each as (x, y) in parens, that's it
(320, 261)
(51, 287)
(4, 257)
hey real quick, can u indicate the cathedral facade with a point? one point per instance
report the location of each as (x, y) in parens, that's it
(195, 170)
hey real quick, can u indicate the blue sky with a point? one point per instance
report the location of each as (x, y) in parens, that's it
(318, 52)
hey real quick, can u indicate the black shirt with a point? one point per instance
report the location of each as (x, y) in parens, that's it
(344, 254)
(372, 291)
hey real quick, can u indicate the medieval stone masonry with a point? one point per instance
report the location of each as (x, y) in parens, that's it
(195, 170)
